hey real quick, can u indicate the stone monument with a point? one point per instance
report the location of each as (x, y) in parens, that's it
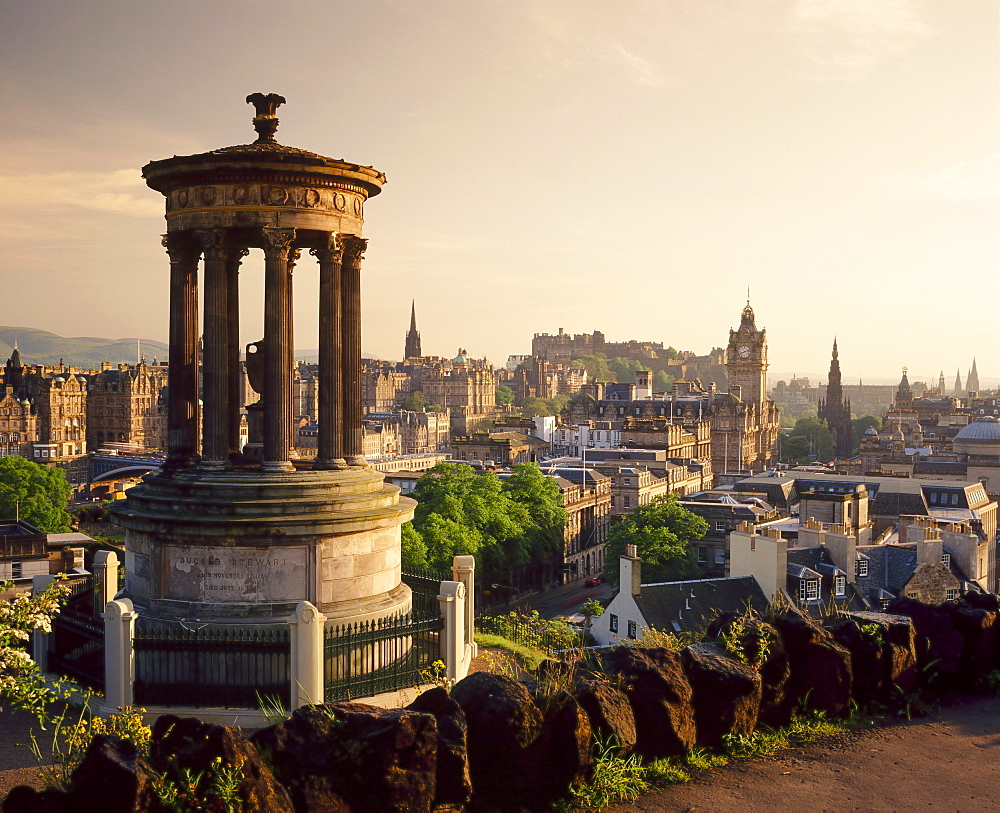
(230, 535)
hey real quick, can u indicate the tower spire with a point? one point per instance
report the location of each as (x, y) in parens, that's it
(412, 348)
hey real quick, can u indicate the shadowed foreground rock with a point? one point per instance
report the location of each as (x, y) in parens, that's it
(821, 675)
(352, 757)
(726, 693)
(609, 711)
(564, 755)
(504, 723)
(660, 695)
(188, 743)
(454, 784)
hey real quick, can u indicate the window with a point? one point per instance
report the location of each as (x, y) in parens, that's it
(952, 594)
(633, 629)
(720, 556)
(839, 585)
(626, 501)
(862, 567)
(702, 554)
(808, 590)
(613, 622)
(720, 525)
(933, 498)
(954, 499)
(946, 559)
(16, 570)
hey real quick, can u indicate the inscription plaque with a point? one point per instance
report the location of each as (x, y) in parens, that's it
(235, 574)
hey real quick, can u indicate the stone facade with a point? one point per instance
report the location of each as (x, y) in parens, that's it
(128, 405)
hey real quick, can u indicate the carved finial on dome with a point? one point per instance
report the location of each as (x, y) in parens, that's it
(265, 122)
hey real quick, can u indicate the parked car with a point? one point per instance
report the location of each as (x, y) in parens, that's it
(593, 581)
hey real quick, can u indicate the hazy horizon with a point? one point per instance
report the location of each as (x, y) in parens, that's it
(629, 167)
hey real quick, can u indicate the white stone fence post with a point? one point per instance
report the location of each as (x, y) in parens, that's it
(306, 626)
(105, 578)
(458, 608)
(119, 657)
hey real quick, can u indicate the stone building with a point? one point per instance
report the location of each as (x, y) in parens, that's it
(385, 386)
(586, 496)
(466, 387)
(127, 405)
(497, 449)
(743, 422)
(408, 433)
(835, 409)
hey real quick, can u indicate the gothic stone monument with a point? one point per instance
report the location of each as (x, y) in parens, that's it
(220, 534)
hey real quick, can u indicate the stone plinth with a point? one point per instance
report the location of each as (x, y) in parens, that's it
(240, 544)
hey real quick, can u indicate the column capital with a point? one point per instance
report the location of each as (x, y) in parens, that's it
(215, 243)
(277, 242)
(332, 251)
(293, 257)
(354, 250)
(180, 246)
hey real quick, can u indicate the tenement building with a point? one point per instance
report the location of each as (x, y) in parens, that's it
(128, 405)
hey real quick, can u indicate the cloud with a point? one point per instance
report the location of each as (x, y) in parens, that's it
(638, 69)
(119, 192)
(847, 39)
(969, 180)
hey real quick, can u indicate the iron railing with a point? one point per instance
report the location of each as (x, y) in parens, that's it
(220, 665)
(76, 649)
(371, 657)
(425, 585)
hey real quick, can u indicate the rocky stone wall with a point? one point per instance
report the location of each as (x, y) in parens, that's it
(494, 743)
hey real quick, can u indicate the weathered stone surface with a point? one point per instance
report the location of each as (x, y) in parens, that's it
(188, 743)
(610, 713)
(503, 724)
(821, 674)
(726, 693)
(112, 778)
(352, 757)
(660, 696)
(979, 629)
(868, 660)
(938, 643)
(454, 783)
(776, 705)
(23, 799)
(564, 755)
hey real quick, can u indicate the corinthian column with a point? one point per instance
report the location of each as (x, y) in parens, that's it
(182, 374)
(277, 341)
(215, 375)
(329, 453)
(353, 444)
(233, 349)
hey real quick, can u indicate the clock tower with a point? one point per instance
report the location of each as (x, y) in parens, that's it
(746, 359)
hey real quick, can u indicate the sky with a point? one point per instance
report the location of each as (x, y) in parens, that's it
(631, 167)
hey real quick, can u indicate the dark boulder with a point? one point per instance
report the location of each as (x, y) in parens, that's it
(563, 756)
(111, 778)
(868, 659)
(179, 743)
(503, 724)
(938, 643)
(660, 696)
(726, 693)
(23, 799)
(821, 675)
(352, 757)
(454, 784)
(609, 711)
(979, 629)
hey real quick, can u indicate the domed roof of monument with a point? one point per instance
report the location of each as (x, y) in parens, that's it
(265, 154)
(982, 430)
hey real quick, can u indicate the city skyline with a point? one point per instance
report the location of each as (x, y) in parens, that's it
(549, 165)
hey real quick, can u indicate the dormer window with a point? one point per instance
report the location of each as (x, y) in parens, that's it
(809, 590)
(839, 585)
(862, 567)
(946, 559)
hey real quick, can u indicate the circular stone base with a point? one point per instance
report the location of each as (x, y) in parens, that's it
(250, 545)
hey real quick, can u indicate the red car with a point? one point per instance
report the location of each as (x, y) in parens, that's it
(593, 581)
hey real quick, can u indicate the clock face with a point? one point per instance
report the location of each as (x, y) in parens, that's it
(744, 351)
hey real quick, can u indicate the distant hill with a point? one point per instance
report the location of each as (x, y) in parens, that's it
(42, 347)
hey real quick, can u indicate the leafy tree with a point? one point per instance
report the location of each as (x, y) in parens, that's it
(416, 401)
(502, 523)
(535, 406)
(811, 436)
(592, 608)
(860, 425)
(662, 531)
(624, 369)
(597, 368)
(414, 551)
(37, 494)
(662, 382)
(504, 395)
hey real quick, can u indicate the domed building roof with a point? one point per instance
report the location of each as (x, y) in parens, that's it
(982, 430)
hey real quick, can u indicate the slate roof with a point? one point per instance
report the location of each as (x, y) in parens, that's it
(689, 606)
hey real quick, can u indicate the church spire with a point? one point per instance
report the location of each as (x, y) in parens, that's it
(972, 382)
(958, 382)
(412, 349)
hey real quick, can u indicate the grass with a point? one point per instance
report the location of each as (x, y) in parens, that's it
(528, 657)
(766, 742)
